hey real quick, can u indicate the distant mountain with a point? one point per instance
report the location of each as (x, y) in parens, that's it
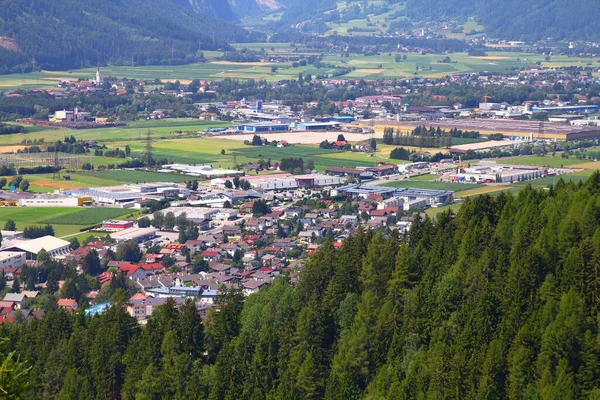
(243, 7)
(64, 34)
(216, 8)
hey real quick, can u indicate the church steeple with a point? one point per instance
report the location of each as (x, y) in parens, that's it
(98, 79)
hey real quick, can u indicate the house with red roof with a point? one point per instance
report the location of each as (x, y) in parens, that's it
(68, 304)
(212, 255)
(377, 213)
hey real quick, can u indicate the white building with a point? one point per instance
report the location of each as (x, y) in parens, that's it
(55, 202)
(55, 247)
(12, 259)
(140, 235)
(201, 213)
(226, 215)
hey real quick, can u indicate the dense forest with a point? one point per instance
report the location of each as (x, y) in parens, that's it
(498, 301)
(65, 34)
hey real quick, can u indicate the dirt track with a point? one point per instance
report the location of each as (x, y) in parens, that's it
(312, 137)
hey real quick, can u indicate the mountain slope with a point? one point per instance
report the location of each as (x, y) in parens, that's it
(65, 34)
(513, 19)
(507, 19)
(217, 8)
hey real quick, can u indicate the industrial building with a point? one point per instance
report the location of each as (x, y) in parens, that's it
(318, 126)
(55, 247)
(264, 127)
(56, 201)
(75, 115)
(585, 109)
(288, 181)
(117, 225)
(427, 197)
(197, 213)
(488, 172)
(127, 195)
(508, 127)
(139, 235)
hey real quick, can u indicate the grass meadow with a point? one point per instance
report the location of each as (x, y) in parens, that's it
(65, 220)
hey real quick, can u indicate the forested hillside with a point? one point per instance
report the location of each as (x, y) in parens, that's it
(506, 19)
(64, 34)
(513, 19)
(499, 301)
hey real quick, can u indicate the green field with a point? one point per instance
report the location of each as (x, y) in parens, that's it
(543, 161)
(382, 66)
(66, 221)
(89, 216)
(124, 176)
(133, 131)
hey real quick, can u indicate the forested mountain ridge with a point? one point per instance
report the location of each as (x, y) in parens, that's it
(513, 19)
(505, 19)
(64, 34)
(500, 301)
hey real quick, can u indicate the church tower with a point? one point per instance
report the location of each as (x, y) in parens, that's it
(98, 80)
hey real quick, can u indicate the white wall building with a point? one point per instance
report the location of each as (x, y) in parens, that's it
(12, 259)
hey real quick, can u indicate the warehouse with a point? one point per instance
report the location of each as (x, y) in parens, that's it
(197, 213)
(139, 235)
(283, 182)
(56, 201)
(318, 126)
(410, 195)
(263, 127)
(56, 248)
(114, 225)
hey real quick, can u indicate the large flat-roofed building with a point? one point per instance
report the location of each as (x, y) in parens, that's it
(508, 127)
(285, 181)
(114, 225)
(431, 197)
(318, 126)
(264, 127)
(56, 201)
(567, 109)
(55, 247)
(126, 195)
(139, 235)
(198, 213)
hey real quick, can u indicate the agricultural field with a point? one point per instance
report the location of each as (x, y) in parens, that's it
(44, 183)
(66, 221)
(382, 66)
(545, 161)
(88, 216)
(133, 131)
